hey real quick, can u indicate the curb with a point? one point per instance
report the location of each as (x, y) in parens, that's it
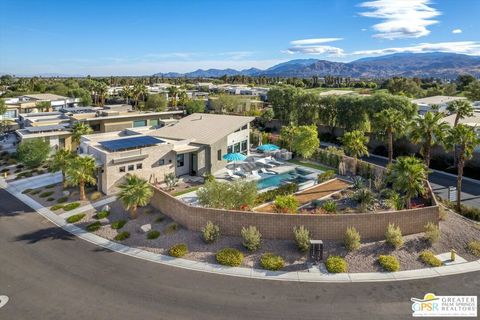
(244, 272)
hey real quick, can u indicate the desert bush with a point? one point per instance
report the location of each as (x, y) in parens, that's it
(171, 228)
(26, 191)
(336, 264)
(153, 234)
(252, 238)
(102, 214)
(330, 206)
(358, 183)
(95, 196)
(365, 197)
(270, 261)
(429, 258)
(94, 226)
(211, 232)
(50, 199)
(325, 176)
(118, 224)
(432, 233)
(395, 201)
(286, 204)
(122, 236)
(379, 182)
(229, 257)
(393, 236)
(442, 214)
(474, 247)
(171, 180)
(228, 195)
(56, 207)
(45, 194)
(75, 218)
(302, 238)
(160, 219)
(178, 250)
(389, 263)
(35, 192)
(62, 200)
(71, 206)
(352, 239)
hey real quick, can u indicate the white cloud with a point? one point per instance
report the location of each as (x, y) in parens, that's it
(465, 47)
(457, 31)
(313, 41)
(401, 18)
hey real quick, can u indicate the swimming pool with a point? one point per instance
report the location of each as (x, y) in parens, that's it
(276, 180)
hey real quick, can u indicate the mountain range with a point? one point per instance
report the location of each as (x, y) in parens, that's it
(422, 65)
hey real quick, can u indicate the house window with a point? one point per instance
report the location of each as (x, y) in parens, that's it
(219, 155)
(229, 149)
(236, 148)
(244, 145)
(121, 169)
(139, 166)
(10, 114)
(139, 123)
(154, 122)
(161, 162)
(180, 160)
(131, 167)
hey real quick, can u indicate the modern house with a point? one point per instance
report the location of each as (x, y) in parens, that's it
(30, 103)
(426, 104)
(194, 145)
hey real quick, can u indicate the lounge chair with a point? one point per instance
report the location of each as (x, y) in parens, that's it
(239, 172)
(231, 175)
(255, 174)
(263, 170)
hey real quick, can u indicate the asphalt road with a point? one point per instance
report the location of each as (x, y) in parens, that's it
(440, 183)
(49, 274)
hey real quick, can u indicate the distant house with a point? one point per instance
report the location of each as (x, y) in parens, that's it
(194, 145)
(29, 103)
(426, 104)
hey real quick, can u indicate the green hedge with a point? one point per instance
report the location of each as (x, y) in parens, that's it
(94, 226)
(75, 218)
(153, 234)
(118, 224)
(178, 250)
(229, 257)
(102, 214)
(71, 206)
(270, 195)
(270, 261)
(336, 264)
(389, 263)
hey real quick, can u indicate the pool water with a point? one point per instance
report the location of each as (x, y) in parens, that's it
(276, 180)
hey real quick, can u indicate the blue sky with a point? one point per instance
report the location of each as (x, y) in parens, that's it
(142, 37)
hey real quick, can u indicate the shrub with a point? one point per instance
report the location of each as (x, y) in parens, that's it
(57, 207)
(395, 201)
(211, 232)
(178, 250)
(251, 238)
(389, 263)
(95, 196)
(228, 195)
(429, 258)
(153, 234)
(50, 199)
(442, 213)
(118, 224)
(336, 264)
(470, 212)
(432, 233)
(171, 180)
(122, 236)
(71, 206)
(393, 236)
(352, 239)
(171, 228)
(35, 192)
(75, 218)
(270, 261)
(50, 186)
(94, 226)
(365, 197)
(286, 204)
(102, 214)
(33, 152)
(283, 190)
(474, 247)
(358, 183)
(26, 191)
(302, 238)
(325, 176)
(330, 206)
(229, 257)
(11, 161)
(62, 200)
(45, 194)
(159, 219)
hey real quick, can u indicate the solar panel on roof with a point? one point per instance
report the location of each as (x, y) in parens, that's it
(130, 143)
(45, 128)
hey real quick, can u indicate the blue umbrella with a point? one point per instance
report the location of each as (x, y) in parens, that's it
(234, 157)
(268, 147)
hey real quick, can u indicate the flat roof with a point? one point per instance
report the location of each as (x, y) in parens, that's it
(129, 143)
(203, 128)
(436, 100)
(45, 128)
(469, 121)
(45, 96)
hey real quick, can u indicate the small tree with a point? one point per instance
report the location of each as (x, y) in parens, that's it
(211, 232)
(33, 152)
(305, 140)
(133, 193)
(355, 143)
(352, 239)
(156, 102)
(228, 195)
(43, 106)
(80, 172)
(393, 236)
(408, 176)
(251, 238)
(195, 106)
(302, 238)
(286, 204)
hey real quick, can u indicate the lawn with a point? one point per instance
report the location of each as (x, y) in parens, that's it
(310, 165)
(188, 190)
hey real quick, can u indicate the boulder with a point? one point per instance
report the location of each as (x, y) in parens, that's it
(146, 228)
(65, 193)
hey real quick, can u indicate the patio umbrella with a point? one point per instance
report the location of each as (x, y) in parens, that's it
(268, 147)
(234, 157)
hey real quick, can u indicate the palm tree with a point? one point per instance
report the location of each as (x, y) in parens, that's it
(465, 140)
(60, 162)
(80, 129)
(139, 90)
(80, 172)
(102, 90)
(461, 109)
(408, 175)
(135, 192)
(126, 93)
(172, 93)
(390, 122)
(355, 143)
(428, 131)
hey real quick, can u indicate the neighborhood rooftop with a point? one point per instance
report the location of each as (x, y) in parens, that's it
(129, 143)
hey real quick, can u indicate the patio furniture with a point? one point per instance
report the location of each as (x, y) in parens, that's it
(267, 147)
(239, 172)
(231, 175)
(263, 170)
(255, 174)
